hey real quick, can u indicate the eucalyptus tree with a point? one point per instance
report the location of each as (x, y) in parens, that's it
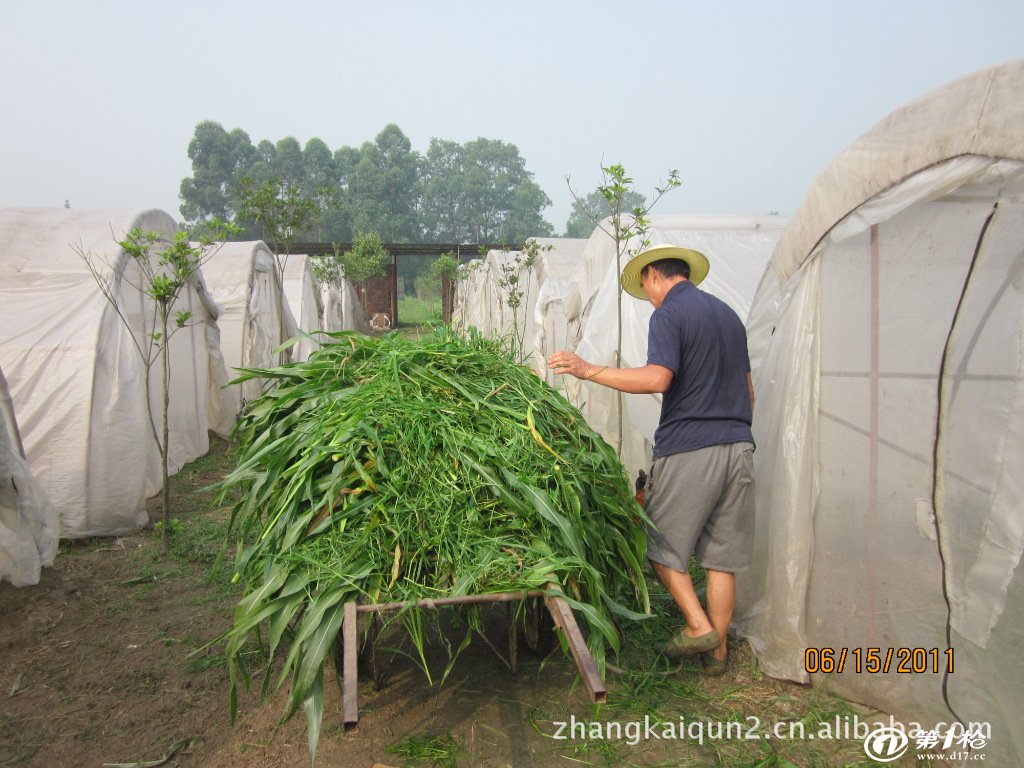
(504, 202)
(219, 161)
(381, 187)
(586, 212)
(480, 192)
(288, 161)
(442, 201)
(319, 181)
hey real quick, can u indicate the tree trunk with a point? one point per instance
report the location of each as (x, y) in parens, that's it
(165, 448)
(619, 246)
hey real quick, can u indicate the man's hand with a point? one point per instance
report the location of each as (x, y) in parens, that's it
(567, 363)
(643, 380)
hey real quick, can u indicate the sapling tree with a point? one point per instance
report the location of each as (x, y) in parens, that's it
(515, 280)
(627, 227)
(284, 212)
(163, 271)
(366, 260)
(444, 270)
(462, 273)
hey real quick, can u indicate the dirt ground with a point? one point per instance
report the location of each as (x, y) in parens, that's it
(103, 663)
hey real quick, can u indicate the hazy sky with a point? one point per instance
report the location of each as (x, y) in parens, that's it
(748, 99)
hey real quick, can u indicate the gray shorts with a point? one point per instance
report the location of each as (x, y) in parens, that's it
(702, 502)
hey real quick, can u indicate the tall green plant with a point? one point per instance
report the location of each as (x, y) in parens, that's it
(443, 271)
(284, 212)
(627, 227)
(165, 269)
(463, 273)
(367, 260)
(445, 266)
(515, 281)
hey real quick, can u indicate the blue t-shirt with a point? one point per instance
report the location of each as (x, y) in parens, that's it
(703, 342)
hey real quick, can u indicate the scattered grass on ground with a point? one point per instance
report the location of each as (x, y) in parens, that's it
(435, 751)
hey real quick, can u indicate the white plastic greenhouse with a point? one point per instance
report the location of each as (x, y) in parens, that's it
(255, 315)
(29, 523)
(557, 307)
(75, 377)
(888, 360)
(316, 307)
(343, 311)
(738, 248)
(470, 308)
(482, 298)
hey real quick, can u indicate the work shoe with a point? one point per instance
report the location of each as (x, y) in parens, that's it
(684, 645)
(714, 667)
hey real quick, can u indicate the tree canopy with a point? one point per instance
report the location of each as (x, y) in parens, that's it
(479, 191)
(586, 212)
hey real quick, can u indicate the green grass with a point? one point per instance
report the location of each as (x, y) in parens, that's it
(416, 311)
(434, 751)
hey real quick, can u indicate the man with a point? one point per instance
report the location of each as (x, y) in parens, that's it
(700, 492)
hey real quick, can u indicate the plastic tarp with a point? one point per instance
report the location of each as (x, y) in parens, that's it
(888, 343)
(305, 300)
(29, 523)
(319, 307)
(255, 317)
(470, 308)
(76, 378)
(498, 298)
(738, 248)
(503, 298)
(343, 311)
(556, 322)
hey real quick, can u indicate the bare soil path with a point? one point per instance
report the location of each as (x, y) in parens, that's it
(104, 663)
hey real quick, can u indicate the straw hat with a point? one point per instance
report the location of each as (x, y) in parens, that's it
(630, 279)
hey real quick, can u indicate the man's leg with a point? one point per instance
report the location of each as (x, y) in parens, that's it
(721, 602)
(680, 586)
(729, 541)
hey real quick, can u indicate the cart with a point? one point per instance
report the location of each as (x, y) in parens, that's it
(536, 601)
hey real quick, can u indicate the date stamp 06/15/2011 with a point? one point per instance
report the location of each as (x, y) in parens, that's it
(872, 660)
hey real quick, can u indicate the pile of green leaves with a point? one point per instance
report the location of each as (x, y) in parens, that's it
(387, 469)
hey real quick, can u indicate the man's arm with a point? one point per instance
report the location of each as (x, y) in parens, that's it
(750, 389)
(643, 380)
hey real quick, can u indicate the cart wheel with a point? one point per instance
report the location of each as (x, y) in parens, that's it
(539, 629)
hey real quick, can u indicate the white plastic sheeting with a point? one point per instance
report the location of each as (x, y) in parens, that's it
(556, 310)
(738, 248)
(484, 300)
(319, 307)
(342, 309)
(305, 300)
(255, 317)
(29, 523)
(75, 376)
(482, 297)
(888, 345)
(470, 308)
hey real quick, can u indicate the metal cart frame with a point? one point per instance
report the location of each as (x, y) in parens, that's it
(554, 601)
